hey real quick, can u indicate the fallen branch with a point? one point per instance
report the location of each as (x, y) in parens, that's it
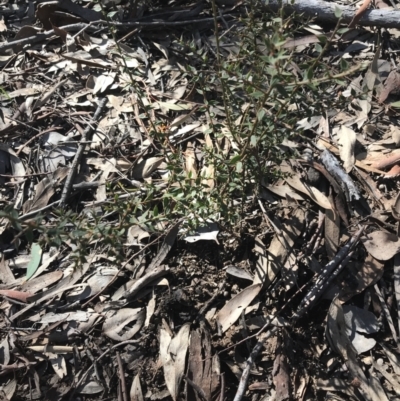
(17, 44)
(330, 271)
(324, 11)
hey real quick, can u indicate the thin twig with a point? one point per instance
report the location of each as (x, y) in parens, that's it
(222, 393)
(249, 363)
(196, 388)
(107, 351)
(204, 308)
(122, 377)
(33, 213)
(79, 153)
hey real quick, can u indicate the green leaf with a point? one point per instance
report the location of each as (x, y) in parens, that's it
(342, 31)
(260, 114)
(338, 12)
(318, 48)
(395, 104)
(234, 159)
(344, 65)
(36, 256)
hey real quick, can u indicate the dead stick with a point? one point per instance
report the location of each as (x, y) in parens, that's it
(249, 363)
(79, 153)
(122, 25)
(122, 377)
(327, 11)
(108, 350)
(196, 388)
(340, 260)
(222, 394)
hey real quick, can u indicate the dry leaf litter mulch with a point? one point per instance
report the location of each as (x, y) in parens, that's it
(304, 304)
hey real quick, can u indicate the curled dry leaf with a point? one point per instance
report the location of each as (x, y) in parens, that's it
(381, 244)
(146, 167)
(116, 321)
(58, 364)
(96, 283)
(235, 306)
(173, 356)
(135, 235)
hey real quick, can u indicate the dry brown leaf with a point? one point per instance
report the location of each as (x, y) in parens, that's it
(136, 390)
(85, 58)
(7, 277)
(393, 172)
(358, 163)
(173, 355)
(203, 367)
(381, 244)
(235, 306)
(36, 284)
(135, 235)
(332, 232)
(369, 274)
(58, 364)
(207, 174)
(347, 141)
(190, 161)
(280, 373)
(146, 167)
(116, 321)
(393, 358)
(317, 196)
(45, 189)
(4, 352)
(340, 343)
(271, 260)
(385, 160)
(19, 295)
(392, 86)
(282, 190)
(120, 103)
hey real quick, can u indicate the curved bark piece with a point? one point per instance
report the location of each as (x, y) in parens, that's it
(324, 11)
